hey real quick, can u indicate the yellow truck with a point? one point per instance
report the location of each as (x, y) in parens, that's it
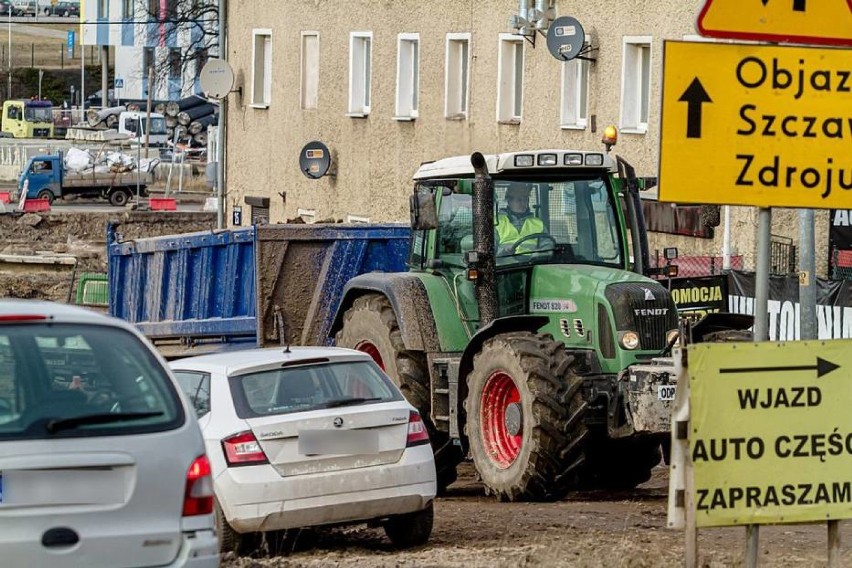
(23, 118)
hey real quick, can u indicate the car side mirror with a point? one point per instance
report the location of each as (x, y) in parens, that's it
(424, 214)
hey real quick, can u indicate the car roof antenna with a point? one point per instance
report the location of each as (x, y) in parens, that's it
(281, 328)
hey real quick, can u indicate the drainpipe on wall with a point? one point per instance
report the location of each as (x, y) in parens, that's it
(223, 124)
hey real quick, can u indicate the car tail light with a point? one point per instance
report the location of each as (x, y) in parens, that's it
(21, 317)
(243, 449)
(417, 434)
(198, 495)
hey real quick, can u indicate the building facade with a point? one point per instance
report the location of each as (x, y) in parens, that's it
(389, 84)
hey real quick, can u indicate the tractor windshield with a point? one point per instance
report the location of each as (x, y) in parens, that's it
(558, 221)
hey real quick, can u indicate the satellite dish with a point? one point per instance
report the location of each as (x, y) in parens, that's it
(565, 38)
(314, 160)
(217, 78)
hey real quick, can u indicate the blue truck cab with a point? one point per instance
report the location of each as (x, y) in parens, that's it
(42, 178)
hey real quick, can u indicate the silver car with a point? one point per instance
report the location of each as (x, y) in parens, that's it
(101, 459)
(309, 436)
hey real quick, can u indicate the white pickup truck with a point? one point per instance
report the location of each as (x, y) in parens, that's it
(134, 124)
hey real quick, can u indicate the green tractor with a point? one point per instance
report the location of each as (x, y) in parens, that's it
(544, 359)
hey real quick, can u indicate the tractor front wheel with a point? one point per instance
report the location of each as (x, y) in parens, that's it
(525, 417)
(370, 326)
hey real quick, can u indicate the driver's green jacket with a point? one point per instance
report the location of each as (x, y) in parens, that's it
(507, 233)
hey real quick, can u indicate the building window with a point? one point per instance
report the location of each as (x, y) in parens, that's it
(127, 9)
(510, 78)
(360, 69)
(153, 9)
(103, 8)
(310, 70)
(261, 85)
(407, 76)
(636, 84)
(456, 80)
(575, 94)
(147, 61)
(175, 63)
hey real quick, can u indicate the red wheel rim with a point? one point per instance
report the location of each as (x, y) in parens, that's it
(501, 445)
(373, 351)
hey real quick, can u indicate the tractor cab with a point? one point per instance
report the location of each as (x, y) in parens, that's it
(554, 215)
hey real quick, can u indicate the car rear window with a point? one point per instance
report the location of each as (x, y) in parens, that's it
(310, 387)
(81, 380)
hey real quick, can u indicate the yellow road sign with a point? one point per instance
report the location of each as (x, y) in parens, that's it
(770, 432)
(756, 125)
(827, 22)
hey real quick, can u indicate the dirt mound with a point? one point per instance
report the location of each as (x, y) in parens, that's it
(42, 255)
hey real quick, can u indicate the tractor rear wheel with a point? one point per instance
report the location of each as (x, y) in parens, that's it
(620, 464)
(525, 417)
(370, 326)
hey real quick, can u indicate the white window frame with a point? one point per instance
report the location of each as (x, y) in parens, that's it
(309, 216)
(575, 93)
(360, 73)
(457, 77)
(352, 219)
(510, 78)
(636, 84)
(407, 76)
(261, 72)
(309, 73)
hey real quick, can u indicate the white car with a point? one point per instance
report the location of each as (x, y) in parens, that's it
(102, 461)
(309, 436)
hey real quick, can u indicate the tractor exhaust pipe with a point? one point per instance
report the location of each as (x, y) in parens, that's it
(483, 240)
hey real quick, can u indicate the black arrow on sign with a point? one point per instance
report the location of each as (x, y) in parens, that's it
(822, 367)
(694, 96)
(798, 5)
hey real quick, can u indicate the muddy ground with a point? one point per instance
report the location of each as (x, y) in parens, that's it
(595, 529)
(81, 236)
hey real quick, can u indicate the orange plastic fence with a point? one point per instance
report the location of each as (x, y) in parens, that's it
(163, 204)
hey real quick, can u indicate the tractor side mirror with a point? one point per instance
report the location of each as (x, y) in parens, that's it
(424, 214)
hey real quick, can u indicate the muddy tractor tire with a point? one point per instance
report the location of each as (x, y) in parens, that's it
(525, 418)
(370, 326)
(620, 464)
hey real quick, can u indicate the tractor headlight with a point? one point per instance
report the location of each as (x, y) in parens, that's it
(671, 336)
(630, 340)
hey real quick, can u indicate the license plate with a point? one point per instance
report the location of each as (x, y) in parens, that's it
(339, 442)
(666, 392)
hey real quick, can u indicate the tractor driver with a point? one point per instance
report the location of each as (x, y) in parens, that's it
(517, 221)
